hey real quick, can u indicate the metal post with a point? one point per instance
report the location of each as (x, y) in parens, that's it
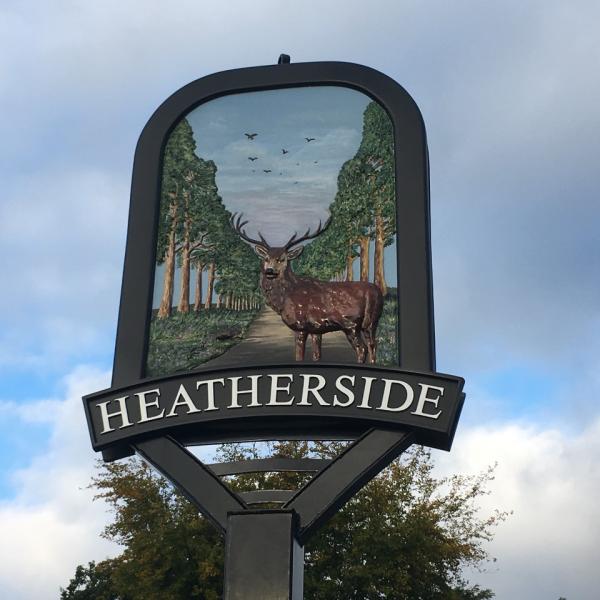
(263, 559)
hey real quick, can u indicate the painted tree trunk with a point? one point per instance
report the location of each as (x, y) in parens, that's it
(219, 301)
(364, 258)
(198, 288)
(350, 263)
(166, 301)
(210, 285)
(378, 258)
(184, 300)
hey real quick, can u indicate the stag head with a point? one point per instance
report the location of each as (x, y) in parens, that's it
(276, 259)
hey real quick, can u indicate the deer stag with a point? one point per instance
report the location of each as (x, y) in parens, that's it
(312, 307)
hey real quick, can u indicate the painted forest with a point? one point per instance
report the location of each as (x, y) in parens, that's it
(363, 211)
(218, 293)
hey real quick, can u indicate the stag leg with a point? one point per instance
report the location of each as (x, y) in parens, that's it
(357, 343)
(371, 342)
(315, 339)
(300, 345)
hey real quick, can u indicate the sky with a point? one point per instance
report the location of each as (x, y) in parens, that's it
(509, 92)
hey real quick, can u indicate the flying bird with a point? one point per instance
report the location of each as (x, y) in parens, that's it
(307, 139)
(284, 151)
(316, 161)
(295, 182)
(267, 170)
(253, 158)
(251, 136)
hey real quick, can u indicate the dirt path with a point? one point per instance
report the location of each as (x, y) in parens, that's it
(270, 341)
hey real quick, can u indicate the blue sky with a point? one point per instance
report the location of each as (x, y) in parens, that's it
(510, 95)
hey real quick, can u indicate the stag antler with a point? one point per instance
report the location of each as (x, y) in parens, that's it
(238, 226)
(293, 241)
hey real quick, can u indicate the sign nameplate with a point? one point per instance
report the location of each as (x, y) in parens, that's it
(333, 398)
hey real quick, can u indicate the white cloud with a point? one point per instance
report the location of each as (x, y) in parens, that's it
(52, 525)
(548, 547)
(548, 478)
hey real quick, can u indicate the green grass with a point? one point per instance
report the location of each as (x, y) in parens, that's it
(183, 342)
(387, 348)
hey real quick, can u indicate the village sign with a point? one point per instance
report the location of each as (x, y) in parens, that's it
(277, 285)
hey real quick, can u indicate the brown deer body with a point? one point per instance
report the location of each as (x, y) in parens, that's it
(309, 306)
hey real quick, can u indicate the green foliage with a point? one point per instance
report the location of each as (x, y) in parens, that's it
(185, 341)
(366, 188)
(170, 552)
(406, 536)
(93, 582)
(192, 209)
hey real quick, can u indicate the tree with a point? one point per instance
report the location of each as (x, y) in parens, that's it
(406, 535)
(364, 208)
(178, 175)
(93, 582)
(377, 154)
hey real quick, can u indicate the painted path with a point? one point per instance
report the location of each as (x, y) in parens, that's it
(270, 341)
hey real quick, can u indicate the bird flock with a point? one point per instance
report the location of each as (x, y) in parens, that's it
(284, 151)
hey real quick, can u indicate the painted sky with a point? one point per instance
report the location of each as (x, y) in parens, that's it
(510, 95)
(302, 183)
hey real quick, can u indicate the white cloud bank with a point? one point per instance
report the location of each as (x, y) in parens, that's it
(549, 479)
(548, 547)
(52, 525)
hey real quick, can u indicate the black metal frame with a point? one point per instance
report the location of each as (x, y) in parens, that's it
(253, 538)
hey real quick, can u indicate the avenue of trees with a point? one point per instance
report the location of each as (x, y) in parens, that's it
(194, 234)
(363, 211)
(406, 536)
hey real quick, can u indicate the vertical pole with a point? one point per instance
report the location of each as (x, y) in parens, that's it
(263, 559)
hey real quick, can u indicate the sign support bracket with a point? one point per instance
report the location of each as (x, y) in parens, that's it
(199, 484)
(332, 487)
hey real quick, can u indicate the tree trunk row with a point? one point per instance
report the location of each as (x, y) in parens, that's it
(364, 243)
(239, 304)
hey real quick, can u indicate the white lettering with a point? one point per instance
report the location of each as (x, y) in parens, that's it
(410, 395)
(106, 416)
(236, 392)
(210, 392)
(275, 388)
(349, 393)
(423, 398)
(366, 392)
(182, 399)
(145, 404)
(306, 390)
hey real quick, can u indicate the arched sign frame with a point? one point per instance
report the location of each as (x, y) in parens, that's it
(416, 337)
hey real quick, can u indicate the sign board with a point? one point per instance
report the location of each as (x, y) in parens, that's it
(278, 215)
(277, 285)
